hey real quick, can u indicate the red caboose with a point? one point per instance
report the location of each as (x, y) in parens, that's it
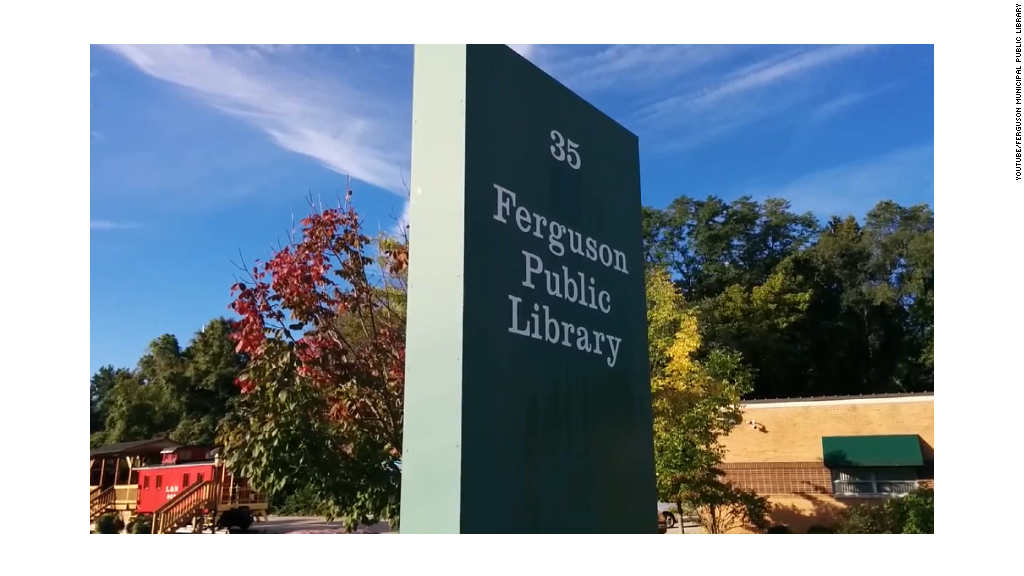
(190, 485)
(179, 468)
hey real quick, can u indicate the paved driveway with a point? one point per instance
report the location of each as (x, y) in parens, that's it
(283, 524)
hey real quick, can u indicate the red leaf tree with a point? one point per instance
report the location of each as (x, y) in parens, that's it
(323, 323)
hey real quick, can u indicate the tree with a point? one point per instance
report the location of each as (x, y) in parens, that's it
(722, 507)
(708, 245)
(695, 401)
(870, 323)
(137, 411)
(211, 366)
(763, 323)
(101, 385)
(180, 394)
(846, 308)
(322, 401)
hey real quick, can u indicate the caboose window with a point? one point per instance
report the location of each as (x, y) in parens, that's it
(184, 481)
(145, 482)
(199, 477)
(159, 481)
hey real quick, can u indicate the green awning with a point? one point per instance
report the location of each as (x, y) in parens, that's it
(850, 451)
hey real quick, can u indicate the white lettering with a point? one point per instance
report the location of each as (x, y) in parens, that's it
(536, 224)
(567, 282)
(613, 343)
(548, 323)
(576, 242)
(567, 329)
(620, 261)
(503, 203)
(557, 290)
(555, 239)
(514, 328)
(583, 340)
(531, 269)
(540, 220)
(536, 322)
(523, 219)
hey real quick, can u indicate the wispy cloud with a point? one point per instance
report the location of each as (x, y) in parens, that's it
(902, 175)
(347, 122)
(627, 67)
(109, 225)
(771, 71)
(775, 72)
(834, 107)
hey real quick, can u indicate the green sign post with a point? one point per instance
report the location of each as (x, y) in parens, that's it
(528, 402)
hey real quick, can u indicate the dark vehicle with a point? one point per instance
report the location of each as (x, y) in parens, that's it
(666, 511)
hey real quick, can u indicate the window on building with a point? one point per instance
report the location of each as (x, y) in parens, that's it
(145, 482)
(159, 481)
(199, 478)
(184, 481)
(873, 481)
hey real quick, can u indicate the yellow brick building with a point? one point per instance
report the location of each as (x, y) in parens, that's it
(813, 457)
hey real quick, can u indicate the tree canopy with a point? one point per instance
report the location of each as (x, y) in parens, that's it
(322, 410)
(180, 394)
(840, 308)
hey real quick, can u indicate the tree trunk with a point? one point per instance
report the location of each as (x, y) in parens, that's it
(679, 516)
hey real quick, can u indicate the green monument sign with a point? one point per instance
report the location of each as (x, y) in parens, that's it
(527, 394)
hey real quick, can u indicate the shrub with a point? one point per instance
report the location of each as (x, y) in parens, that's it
(779, 529)
(302, 502)
(819, 529)
(141, 524)
(911, 514)
(109, 524)
(915, 513)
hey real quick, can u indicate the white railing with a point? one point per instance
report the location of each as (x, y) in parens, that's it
(877, 488)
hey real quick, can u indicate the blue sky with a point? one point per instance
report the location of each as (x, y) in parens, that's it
(197, 153)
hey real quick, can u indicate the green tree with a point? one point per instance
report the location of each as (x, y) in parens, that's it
(138, 410)
(869, 326)
(695, 401)
(208, 386)
(722, 507)
(101, 385)
(763, 324)
(181, 394)
(708, 245)
(844, 309)
(322, 401)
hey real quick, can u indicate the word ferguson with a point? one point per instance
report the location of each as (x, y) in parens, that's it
(560, 282)
(532, 222)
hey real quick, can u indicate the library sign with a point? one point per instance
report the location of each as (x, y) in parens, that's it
(527, 392)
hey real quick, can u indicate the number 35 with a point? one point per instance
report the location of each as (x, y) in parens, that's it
(560, 152)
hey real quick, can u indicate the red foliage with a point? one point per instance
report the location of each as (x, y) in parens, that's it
(318, 286)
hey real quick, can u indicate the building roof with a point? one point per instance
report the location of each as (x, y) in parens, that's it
(136, 446)
(828, 398)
